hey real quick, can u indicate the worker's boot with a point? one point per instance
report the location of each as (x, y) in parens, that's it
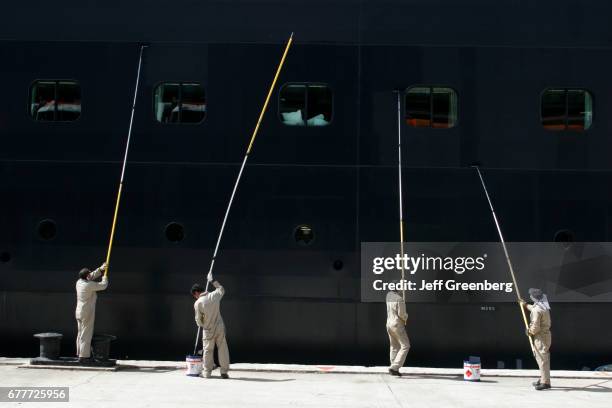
(395, 372)
(224, 376)
(535, 384)
(542, 386)
(207, 374)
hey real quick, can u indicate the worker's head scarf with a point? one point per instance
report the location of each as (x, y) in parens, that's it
(539, 298)
(84, 273)
(197, 288)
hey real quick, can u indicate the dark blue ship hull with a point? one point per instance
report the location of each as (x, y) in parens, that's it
(285, 301)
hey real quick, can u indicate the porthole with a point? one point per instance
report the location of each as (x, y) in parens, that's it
(175, 232)
(338, 265)
(565, 236)
(304, 235)
(47, 229)
(5, 257)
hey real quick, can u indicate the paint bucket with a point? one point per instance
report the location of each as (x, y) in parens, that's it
(194, 365)
(471, 371)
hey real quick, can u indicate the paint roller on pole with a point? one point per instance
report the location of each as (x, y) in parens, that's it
(503, 242)
(125, 156)
(209, 276)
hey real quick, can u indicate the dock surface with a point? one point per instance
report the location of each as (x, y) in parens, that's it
(164, 384)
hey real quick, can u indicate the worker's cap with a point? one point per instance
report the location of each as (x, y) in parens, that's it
(536, 294)
(197, 288)
(83, 273)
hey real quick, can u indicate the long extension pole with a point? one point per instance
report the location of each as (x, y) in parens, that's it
(246, 156)
(125, 156)
(195, 347)
(503, 242)
(399, 178)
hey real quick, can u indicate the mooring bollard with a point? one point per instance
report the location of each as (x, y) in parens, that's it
(100, 346)
(49, 345)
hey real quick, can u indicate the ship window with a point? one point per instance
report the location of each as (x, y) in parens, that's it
(304, 235)
(305, 105)
(47, 229)
(567, 109)
(179, 102)
(55, 101)
(429, 106)
(175, 232)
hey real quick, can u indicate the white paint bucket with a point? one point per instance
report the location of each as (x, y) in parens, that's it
(471, 371)
(194, 366)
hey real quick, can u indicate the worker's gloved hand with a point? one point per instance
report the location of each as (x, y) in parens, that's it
(104, 266)
(527, 333)
(522, 302)
(209, 277)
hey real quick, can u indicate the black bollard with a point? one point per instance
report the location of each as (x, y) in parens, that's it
(50, 352)
(100, 346)
(49, 345)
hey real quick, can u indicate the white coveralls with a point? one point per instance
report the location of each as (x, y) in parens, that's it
(396, 328)
(208, 317)
(86, 310)
(539, 328)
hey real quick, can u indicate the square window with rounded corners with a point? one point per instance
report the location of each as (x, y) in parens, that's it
(305, 104)
(431, 106)
(179, 102)
(566, 109)
(55, 100)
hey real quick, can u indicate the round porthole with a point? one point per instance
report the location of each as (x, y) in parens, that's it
(304, 235)
(175, 232)
(5, 257)
(338, 265)
(47, 229)
(565, 236)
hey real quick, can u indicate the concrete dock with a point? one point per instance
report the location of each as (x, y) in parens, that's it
(164, 384)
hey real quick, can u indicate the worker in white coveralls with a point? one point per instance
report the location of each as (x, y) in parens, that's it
(208, 317)
(86, 288)
(539, 330)
(396, 328)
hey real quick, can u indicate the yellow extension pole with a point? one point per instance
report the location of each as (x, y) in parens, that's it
(501, 237)
(246, 156)
(112, 234)
(265, 106)
(125, 156)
